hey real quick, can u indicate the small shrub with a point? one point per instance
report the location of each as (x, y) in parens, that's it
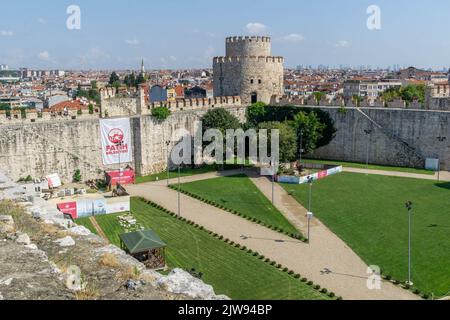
(324, 290)
(304, 280)
(317, 287)
(310, 283)
(297, 276)
(331, 294)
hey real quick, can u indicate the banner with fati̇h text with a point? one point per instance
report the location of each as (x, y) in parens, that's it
(116, 141)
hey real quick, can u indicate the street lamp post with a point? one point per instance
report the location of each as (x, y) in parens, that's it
(409, 207)
(168, 161)
(440, 139)
(310, 214)
(301, 147)
(179, 191)
(368, 133)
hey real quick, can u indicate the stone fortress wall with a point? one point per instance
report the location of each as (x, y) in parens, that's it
(62, 145)
(249, 70)
(397, 137)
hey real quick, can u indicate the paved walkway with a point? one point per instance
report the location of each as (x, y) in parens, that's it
(443, 175)
(348, 276)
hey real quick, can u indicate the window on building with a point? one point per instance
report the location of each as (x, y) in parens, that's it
(252, 81)
(259, 81)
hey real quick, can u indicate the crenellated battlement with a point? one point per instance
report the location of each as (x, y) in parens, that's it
(196, 104)
(234, 59)
(33, 116)
(247, 39)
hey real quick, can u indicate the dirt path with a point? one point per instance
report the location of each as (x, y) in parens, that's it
(98, 228)
(348, 277)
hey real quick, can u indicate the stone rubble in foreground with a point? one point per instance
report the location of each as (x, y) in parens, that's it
(38, 256)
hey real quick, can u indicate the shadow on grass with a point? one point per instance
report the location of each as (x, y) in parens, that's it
(443, 185)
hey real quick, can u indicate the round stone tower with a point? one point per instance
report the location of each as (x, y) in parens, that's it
(249, 70)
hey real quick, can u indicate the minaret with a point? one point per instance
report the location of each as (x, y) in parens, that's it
(142, 67)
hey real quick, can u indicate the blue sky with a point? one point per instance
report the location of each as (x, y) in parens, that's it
(186, 34)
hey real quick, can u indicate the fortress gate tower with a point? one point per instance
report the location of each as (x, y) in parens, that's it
(249, 70)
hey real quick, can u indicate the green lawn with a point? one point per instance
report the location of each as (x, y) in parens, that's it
(85, 222)
(240, 194)
(371, 167)
(229, 270)
(368, 212)
(186, 172)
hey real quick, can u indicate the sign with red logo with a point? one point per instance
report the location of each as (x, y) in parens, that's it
(68, 208)
(116, 141)
(124, 177)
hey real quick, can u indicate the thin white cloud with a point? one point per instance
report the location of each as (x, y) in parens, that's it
(6, 33)
(342, 44)
(173, 58)
(44, 55)
(133, 42)
(255, 28)
(293, 38)
(42, 20)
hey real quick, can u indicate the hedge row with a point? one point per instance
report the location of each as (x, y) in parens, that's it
(406, 286)
(248, 251)
(219, 206)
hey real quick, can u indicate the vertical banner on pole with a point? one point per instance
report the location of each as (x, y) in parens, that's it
(116, 141)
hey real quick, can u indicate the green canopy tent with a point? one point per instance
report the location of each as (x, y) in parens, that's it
(145, 246)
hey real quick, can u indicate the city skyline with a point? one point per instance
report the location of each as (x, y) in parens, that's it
(176, 34)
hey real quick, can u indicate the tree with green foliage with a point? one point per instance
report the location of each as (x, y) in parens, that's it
(5, 107)
(161, 113)
(91, 108)
(318, 95)
(309, 130)
(220, 119)
(130, 80)
(357, 100)
(114, 79)
(255, 113)
(408, 93)
(140, 79)
(77, 176)
(288, 139)
(23, 112)
(283, 113)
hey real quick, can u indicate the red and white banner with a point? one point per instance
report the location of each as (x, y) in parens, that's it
(123, 177)
(68, 208)
(116, 141)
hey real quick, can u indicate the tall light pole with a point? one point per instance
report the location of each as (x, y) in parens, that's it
(168, 161)
(440, 139)
(409, 207)
(179, 191)
(310, 214)
(368, 133)
(301, 148)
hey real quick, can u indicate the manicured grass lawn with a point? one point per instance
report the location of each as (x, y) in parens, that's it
(186, 172)
(229, 270)
(368, 212)
(85, 222)
(240, 194)
(371, 167)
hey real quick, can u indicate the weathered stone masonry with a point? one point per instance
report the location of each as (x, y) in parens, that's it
(46, 147)
(407, 137)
